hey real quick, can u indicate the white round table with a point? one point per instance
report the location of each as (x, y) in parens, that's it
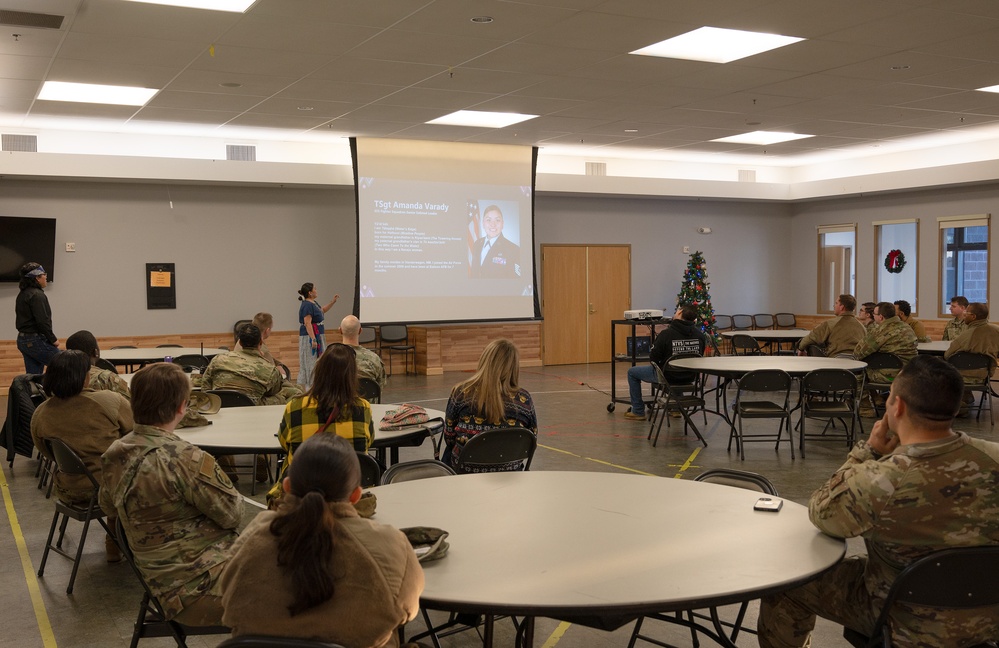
(602, 548)
(735, 366)
(770, 335)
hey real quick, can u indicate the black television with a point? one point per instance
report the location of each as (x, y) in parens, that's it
(23, 240)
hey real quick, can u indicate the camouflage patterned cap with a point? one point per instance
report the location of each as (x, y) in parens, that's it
(204, 402)
(428, 542)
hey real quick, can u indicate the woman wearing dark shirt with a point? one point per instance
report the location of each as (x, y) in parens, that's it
(35, 339)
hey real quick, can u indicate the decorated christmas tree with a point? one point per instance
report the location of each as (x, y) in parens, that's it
(694, 290)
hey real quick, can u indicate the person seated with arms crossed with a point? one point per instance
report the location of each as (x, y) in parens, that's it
(904, 311)
(265, 322)
(332, 406)
(178, 509)
(87, 421)
(978, 337)
(837, 336)
(313, 569)
(889, 335)
(246, 371)
(954, 328)
(99, 379)
(369, 364)
(491, 398)
(681, 338)
(914, 487)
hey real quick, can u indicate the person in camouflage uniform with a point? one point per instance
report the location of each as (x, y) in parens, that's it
(246, 371)
(178, 509)
(265, 322)
(369, 364)
(914, 487)
(839, 335)
(904, 311)
(99, 379)
(954, 328)
(889, 335)
(978, 337)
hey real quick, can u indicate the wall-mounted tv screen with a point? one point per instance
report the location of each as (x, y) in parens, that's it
(23, 240)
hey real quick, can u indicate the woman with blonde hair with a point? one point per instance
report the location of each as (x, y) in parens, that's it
(315, 570)
(492, 398)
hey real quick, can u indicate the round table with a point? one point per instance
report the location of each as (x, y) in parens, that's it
(770, 335)
(603, 548)
(937, 347)
(735, 366)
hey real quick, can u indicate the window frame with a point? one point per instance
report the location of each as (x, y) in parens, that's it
(833, 229)
(960, 222)
(911, 261)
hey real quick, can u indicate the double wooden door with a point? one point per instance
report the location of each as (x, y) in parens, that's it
(584, 287)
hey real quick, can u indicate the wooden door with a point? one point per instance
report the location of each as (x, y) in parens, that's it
(583, 289)
(563, 275)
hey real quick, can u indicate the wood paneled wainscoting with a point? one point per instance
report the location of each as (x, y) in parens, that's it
(438, 348)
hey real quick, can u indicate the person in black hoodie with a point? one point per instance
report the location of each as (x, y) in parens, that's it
(35, 339)
(681, 337)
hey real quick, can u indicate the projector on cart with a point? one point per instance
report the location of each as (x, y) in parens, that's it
(643, 314)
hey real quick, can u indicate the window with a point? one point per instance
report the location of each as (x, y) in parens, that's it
(896, 267)
(837, 263)
(964, 259)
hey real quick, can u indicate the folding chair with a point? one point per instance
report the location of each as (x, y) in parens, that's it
(950, 579)
(413, 470)
(68, 462)
(745, 345)
(785, 321)
(680, 398)
(742, 322)
(190, 361)
(829, 394)
(880, 361)
(490, 450)
(369, 390)
(965, 362)
(371, 470)
(152, 621)
(726, 477)
(233, 398)
(395, 339)
(763, 321)
(753, 383)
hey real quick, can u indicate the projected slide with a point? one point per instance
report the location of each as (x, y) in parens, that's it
(444, 232)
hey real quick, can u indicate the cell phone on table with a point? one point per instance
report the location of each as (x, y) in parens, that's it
(768, 504)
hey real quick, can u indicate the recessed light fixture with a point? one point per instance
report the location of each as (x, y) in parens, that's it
(630, 130)
(306, 108)
(716, 45)
(762, 137)
(235, 6)
(481, 118)
(482, 20)
(98, 94)
(230, 84)
(994, 88)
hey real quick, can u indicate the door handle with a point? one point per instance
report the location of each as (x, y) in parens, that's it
(592, 309)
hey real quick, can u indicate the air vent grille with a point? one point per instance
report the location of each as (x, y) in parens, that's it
(30, 19)
(28, 143)
(240, 153)
(596, 168)
(747, 175)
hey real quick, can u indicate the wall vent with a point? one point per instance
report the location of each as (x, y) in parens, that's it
(30, 19)
(240, 153)
(747, 175)
(596, 168)
(28, 143)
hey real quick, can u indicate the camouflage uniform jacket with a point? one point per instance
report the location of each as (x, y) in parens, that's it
(918, 328)
(245, 371)
(836, 336)
(890, 336)
(978, 337)
(179, 510)
(369, 365)
(107, 380)
(954, 329)
(921, 498)
(88, 423)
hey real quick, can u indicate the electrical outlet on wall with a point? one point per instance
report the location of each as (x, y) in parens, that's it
(71, 247)
(686, 249)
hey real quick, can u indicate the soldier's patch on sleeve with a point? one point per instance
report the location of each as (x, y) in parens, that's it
(211, 471)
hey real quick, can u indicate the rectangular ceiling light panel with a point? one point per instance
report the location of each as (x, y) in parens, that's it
(762, 137)
(716, 45)
(235, 6)
(481, 118)
(93, 93)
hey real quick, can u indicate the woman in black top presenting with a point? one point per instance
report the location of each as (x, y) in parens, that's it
(35, 339)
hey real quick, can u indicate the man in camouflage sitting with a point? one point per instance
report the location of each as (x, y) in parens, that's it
(978, 337)
(369, 364)
(899, 491)
(265, 322)
(888, 335)
(246, 371)
(955, 327)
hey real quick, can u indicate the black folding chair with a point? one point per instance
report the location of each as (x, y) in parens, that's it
(829, 394)
(745, 345)
(371, 470)
(369, 390)
(191, 361)
(68, 462)
(950, 579)
(413, 470)
(395, 339)
(233, 398)
(880, 361)
(675, 397)
(488, 451)
(748, 405)
(742, 322)
(967, 363)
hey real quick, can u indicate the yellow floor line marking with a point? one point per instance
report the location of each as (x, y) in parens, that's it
(41, 616)
(687, 464)
(557, 635)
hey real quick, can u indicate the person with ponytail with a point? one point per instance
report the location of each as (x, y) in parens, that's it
(313, 569)
(311, 331)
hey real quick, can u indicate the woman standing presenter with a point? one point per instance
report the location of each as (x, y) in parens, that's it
(311, 332)
(33, 318)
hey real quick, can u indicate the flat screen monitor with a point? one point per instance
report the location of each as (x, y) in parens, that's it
(23, 240)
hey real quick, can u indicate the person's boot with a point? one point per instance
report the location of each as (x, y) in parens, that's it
(111, 551)
(262, 470)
